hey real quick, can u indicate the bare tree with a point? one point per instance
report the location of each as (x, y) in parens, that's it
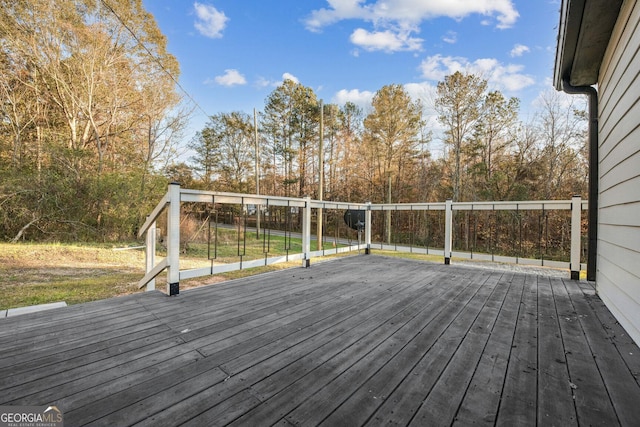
(459, 106)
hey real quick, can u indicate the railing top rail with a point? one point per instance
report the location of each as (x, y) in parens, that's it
(327, 204)
(513, 205)
(484, 205)
(437, 206)
(185, 191)
(204, 196)
(188, 195)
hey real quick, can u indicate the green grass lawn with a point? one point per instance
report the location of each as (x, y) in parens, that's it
(228, 248)
(42, 273)
(34, 273)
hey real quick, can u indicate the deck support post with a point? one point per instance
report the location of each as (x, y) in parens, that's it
(150, 254)
(173, 240)
(306, 232)
(448, 231)
(576, 222)
(367, 229)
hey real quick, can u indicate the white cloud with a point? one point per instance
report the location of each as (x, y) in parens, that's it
(387, 41)
(263, 82)
(361, 98)
(509, 77)
(519, 50)
(339, 10)
(401, 12)
(230, 77)
(424, 92)
(210, 22)
(395, 21)
(436, 67)
(451, 37)
(289, 76)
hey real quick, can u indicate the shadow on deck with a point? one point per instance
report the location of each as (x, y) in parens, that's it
(360, 340)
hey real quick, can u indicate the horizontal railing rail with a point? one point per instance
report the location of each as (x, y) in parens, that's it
(428, 228)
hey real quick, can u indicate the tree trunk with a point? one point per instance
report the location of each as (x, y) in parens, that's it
(23, 229)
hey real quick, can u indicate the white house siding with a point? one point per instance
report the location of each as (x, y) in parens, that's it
(618, 270)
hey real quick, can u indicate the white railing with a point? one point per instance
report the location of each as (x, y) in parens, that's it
(172, 201)
(576, 205)
(176, 196)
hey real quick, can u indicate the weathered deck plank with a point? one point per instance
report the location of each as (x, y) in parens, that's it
(362, 340)
(355, 368)
(482, 397)
(458, 372)
(325, 362)
(593, 405)
(519, 393)
(555, 398)
(412, 356)
(621, 386)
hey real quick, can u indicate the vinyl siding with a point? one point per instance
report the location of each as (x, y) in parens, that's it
(618, 269)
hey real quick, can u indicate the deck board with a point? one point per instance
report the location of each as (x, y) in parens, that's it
(367, 359)
(457, 375)
(431, 338)
(621, 386)
(518, 404)
(592, 402)
(555, 389)
(482, 396)
(363, 340)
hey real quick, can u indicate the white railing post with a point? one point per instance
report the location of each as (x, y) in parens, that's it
(576, 220)
(448, 231)
(150, 254)
(306, 232)
(367, 229)
(173, 240)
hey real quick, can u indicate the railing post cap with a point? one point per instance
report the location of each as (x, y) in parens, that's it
(174, 183)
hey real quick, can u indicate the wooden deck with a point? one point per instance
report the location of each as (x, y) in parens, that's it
(364, 340)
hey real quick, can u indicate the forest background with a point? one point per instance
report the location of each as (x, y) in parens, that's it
(93, 123)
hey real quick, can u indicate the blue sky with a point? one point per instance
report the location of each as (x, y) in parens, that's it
(234, 53)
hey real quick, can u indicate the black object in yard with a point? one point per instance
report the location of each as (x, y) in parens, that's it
(355, 219)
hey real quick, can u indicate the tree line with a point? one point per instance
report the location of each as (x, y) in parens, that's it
(91, 121)
(89, 113)
(385, 154)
